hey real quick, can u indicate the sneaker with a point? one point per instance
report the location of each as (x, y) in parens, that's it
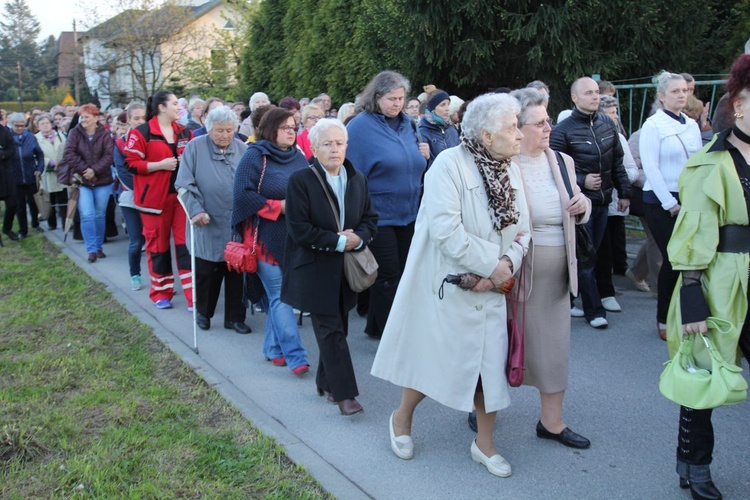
(639, 284)
(599, 323)
(575, 312)
(611, 304)
(135, 282)
(190, 309)
(163, 304)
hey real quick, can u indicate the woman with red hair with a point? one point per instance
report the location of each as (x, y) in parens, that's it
(709, 244)
(87, 162)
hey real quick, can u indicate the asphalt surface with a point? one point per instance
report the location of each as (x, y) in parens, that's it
(613, 399)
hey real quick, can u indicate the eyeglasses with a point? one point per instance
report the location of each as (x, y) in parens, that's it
(288, 128)
(314, 118)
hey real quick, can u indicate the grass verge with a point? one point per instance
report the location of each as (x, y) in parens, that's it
(92, 404)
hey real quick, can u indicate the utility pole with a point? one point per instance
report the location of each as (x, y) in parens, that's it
(20, 88)
(76, 85)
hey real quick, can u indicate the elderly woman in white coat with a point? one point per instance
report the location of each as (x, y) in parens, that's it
(550, 267)
(52, 143)
(204, 182)
(440, 340)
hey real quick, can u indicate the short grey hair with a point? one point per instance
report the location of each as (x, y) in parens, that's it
(194, 102)
(322, 126)
(528, 97)
(607, 101)
(220, 114)
(538, 85)
(17, 117)
(382, 84)
(255, 97)
(486, 113)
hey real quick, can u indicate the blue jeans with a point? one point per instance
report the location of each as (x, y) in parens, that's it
(134, 227)
(282, 335)
(92, 207)
(587, 289)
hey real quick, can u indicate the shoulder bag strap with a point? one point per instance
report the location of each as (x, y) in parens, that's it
(564, 173)
(257, 225)
(328, 195)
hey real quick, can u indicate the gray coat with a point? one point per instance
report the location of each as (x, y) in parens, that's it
(205, 181)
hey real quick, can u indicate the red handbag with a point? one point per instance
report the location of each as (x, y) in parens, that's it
(239, 255)
(514, 364)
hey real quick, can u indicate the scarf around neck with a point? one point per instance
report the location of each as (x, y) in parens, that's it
(502, 200)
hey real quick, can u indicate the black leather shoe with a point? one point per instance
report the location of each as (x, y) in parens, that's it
(203, 322)
(237, 326)
(566, 437)
(702, 491)
(12, 236)
(472, 420)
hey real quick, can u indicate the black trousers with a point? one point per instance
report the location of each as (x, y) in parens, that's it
(661, 224)
(57, 207)
(208, 278)
(10, 208)
(390, 248)
(335, 369)
(25, 196)
(695, 438)
(612, 256)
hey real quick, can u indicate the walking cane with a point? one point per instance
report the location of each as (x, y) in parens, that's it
(180, 194)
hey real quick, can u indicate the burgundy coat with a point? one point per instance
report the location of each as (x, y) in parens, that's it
(82, 153)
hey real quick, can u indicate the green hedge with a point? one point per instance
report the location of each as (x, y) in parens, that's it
(27, 105)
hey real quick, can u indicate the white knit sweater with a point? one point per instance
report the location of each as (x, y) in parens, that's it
(665, 145)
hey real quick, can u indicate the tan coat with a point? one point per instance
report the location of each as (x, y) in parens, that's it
(441, 346)
(51, 153)
(568, 223)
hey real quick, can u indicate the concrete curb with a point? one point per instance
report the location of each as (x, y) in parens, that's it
(300, 453)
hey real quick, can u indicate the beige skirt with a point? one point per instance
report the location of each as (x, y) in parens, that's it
(547, 340)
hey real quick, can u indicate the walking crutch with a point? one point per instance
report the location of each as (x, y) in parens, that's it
(180, 193)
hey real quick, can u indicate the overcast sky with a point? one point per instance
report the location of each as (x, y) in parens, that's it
(57, 16)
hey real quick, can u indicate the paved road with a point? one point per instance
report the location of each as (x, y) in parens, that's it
(613, 399)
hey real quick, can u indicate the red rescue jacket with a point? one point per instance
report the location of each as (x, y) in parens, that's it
(147, 144)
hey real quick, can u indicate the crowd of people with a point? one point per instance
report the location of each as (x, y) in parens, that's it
(488, 189)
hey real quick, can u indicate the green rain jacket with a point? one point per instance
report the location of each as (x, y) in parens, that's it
(711, 196)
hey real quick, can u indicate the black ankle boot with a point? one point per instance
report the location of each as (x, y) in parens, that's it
(701, 491)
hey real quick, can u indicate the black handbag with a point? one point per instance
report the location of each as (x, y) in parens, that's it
(585, 250)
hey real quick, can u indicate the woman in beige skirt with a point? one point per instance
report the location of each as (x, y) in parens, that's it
(550, 266)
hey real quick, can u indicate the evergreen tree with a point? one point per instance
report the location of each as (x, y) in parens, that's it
(18, 34)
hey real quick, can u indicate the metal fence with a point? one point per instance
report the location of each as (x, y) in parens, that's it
(636, 98)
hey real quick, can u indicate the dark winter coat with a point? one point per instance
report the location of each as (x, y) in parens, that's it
(593, 142)
(439, 138)
(7, 152)
(82, 153)
(313, 271)
(29, 158)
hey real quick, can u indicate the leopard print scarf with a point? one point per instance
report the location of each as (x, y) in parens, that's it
(502, 200)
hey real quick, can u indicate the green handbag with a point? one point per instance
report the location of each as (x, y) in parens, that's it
(687, 384)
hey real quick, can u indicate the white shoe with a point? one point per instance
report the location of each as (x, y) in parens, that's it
(599, 323)
(639, 284)
(575, 312)
(611, 304)
(402, 446)
(496, 464)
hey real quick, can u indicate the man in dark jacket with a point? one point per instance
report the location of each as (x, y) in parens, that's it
(7, 178)
(591, 139)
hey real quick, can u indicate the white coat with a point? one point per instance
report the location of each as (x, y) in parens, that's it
(440, 347)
